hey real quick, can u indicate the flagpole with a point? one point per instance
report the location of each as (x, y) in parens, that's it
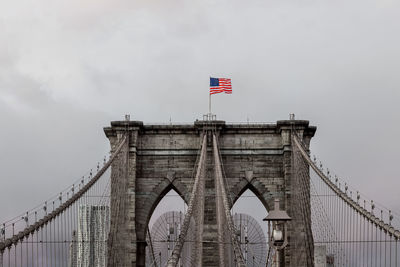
(209, 104)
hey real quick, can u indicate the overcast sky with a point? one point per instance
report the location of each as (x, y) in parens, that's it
(67, 68)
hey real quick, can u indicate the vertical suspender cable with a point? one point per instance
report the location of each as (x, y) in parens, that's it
(64, 248)
(41, 246)
(44, 259)
(397, 241)
(55, 233)
(70, 230)
(46, 244)
(32, 246)
(390, 251)
(37, 249)
(340, 230)
(32, 250)
(57, 240)
(21, 245)
(363, 243)
(334, 217)
(352, 235)
(51, 242)
(380, 247)
(351, 240)
(68, 233)
(77, 226)
(385, 248)
(27, 250)
(359, 245)
(64, 240)
(356, 235)
(343, 240)
(376, 246)
(348, 215)
(367, 239)
(349, 235)
(372, 243)
(343, 231)
(360, 217)
(60, 236)
(360, 239)
(336, 226)
(74, 228)
(354, 223)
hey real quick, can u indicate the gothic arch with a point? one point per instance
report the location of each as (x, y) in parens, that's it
(258, 188)
(156, 195)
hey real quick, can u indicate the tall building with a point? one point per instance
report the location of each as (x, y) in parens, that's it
(73, 249)
(321, 258)
(90, 248)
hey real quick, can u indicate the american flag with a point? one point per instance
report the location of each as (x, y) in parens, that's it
(220, 85)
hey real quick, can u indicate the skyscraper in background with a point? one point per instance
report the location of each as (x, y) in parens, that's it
(89, 246)
(73, 250)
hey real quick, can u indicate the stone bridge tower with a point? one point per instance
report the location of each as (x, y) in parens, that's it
(163, 157)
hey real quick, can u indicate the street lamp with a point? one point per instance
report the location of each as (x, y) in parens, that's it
(277, 228)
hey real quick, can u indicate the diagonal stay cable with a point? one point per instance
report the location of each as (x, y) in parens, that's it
(199, 182)
(236, 248)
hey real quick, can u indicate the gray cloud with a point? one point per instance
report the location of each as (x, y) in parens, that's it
(67, 68)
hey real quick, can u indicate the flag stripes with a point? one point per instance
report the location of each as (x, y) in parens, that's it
(220, 85)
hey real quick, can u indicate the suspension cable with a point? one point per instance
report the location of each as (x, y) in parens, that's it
(355, 206)
(56, 212)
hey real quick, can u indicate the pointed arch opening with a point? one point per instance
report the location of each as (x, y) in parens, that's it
(171, 201)
(248, 213)
(164, 227)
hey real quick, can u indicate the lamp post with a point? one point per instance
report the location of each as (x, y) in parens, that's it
(277, 229)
